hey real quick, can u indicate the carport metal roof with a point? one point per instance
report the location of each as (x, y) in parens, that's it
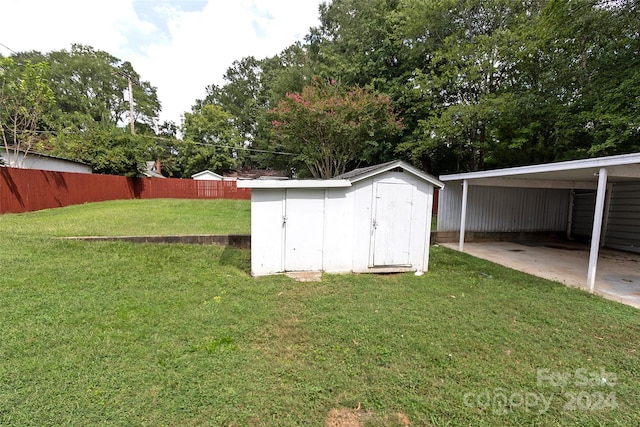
(597, 173)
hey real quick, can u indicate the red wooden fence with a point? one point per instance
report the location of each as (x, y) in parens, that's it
(24, 190)
(436, 198)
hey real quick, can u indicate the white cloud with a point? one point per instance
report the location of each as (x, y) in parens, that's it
(50, 25)
(180, 51)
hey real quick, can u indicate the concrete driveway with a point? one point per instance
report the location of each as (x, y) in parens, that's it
(617, 274)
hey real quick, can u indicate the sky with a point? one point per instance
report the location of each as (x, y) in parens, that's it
(179, 46)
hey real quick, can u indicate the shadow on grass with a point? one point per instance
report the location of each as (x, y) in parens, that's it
(237, 258)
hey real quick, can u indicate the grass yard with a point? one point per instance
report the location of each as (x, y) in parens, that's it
(134, 218)
(112, 333)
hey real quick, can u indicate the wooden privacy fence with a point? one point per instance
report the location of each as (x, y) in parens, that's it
(25, 190)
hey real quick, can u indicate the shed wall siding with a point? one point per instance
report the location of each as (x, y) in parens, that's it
(504, 209)
(421, 232)
(267, 236)
(338, 230)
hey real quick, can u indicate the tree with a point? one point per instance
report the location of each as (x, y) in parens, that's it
(89, 87)
(108, 149)
(250, 87)
(478, 83)
(241, 96)
(90, 84)
(86, 122)
(594, 54)
(25, 97)
(467, 73)
(164, 149)
(330, 128)
(210, 141)
(358, 42)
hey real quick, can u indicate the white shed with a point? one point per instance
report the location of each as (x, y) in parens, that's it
(374, 219)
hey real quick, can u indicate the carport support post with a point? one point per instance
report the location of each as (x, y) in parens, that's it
(463, 214)
(597, 228)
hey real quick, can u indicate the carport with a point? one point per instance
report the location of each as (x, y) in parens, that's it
(594, 200)
(617, 277)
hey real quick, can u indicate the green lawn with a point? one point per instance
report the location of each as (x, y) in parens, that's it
(111, 333)
(135, 217)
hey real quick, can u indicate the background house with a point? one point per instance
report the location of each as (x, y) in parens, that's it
(207, 175)
(152, 170)
(375, 219)
(254, 174)
(44, 162)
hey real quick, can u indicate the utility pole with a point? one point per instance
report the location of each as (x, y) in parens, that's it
(131, 110)
(131, 118)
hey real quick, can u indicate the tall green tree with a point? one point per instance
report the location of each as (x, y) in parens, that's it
(108, 149)
(467, 75)
(479, 84)
(358, 42)
(330, 128)
(164, 149)
(210, 141)
(241, 96)
(92, 108)
(25, 98)
(92, 86)
(594, 52)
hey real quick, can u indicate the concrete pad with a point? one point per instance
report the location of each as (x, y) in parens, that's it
(305, 276)
(617, 274)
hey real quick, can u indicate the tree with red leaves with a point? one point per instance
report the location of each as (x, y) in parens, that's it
(330, 128)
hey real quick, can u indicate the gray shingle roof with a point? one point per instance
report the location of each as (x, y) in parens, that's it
(363, 171)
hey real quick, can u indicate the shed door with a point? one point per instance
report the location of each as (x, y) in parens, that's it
(391, 237)
(303, 230)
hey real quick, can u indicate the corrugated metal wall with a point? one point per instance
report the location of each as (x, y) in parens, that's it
(498, 209)
(584, 204)
(623, 227)
(504, 209)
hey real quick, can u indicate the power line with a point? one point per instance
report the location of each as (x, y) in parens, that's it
(8, 48)
(164, 138)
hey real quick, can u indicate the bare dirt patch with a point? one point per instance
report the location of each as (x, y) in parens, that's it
(347, 417)
(344, 418)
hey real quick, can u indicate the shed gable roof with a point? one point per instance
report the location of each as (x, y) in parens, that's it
(367, 172)
(346, 179)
